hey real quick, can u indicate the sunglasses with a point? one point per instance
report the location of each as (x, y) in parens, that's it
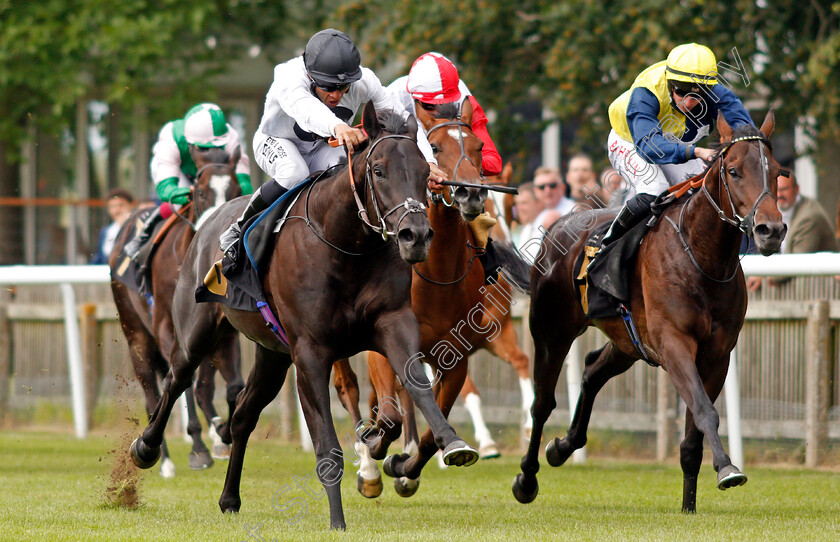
(329, 87)
(546, 185)
(682, 92)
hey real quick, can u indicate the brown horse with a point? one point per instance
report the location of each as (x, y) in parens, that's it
(149, 330)
(688, 307)
(338, 286)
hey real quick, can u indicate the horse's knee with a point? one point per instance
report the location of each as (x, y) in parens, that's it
(233, 390)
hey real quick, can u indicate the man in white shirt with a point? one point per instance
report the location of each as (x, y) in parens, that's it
(313, 97)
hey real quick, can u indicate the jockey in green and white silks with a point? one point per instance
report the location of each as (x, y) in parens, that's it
(172, 166)
(657, 123)
(173, 170)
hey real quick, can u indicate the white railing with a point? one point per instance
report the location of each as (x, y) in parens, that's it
(66, 275)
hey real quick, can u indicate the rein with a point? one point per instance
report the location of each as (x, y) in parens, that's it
(459, 279)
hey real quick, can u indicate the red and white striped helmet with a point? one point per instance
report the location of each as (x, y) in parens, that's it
(433, 79)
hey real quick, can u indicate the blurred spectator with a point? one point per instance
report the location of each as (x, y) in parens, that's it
(615, 188)
(809, 228)
(551, 191)
(119, 203)
(528, 207)
(583, 185)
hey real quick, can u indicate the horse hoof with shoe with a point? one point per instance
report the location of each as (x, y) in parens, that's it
(406, 487)
(730, 476)
(369, 489)
(459, 454)
(525, 490)
(143, 456)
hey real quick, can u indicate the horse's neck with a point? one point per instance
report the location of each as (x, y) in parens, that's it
(710, 238)
(448, 253)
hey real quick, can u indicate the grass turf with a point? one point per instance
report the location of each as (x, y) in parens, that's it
(54, 486)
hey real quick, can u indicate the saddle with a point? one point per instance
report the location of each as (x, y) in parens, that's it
(136, 274)
(238, 284)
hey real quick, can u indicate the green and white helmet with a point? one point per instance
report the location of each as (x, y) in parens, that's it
(205, 126)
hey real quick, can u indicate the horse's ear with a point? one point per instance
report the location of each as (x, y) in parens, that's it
(196, 155)
(411, 125)
(425, 117)
(234, 158)
(769, 123)
(370, 122)
(724, 128)
(467, 111)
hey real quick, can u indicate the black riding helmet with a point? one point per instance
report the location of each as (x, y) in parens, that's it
(331, 58)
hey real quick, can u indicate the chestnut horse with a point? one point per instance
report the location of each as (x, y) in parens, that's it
(688, 307)
(337, 285)
(447, 299)
(149, 330)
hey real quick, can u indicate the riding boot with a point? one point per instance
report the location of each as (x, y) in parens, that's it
(261, 200)
(633, 212)
(132, 248)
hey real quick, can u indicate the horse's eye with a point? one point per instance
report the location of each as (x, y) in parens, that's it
(733, 172)
(378, 171)
(435, 149)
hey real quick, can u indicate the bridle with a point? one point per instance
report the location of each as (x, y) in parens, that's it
(745, 224)
(438, 198)
(410, 205)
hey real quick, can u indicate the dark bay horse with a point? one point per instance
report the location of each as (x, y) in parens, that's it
(688, 307)
(149, 330)
(338, 285)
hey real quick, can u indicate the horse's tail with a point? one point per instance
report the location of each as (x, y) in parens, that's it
(513, 267)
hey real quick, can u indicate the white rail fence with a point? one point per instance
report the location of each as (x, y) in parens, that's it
(778, 265)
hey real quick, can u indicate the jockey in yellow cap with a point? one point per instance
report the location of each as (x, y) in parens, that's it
(657, 123)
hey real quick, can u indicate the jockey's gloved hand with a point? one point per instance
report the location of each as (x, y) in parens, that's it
(179, 196)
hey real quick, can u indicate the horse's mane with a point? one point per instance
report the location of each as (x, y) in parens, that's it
(392, 122)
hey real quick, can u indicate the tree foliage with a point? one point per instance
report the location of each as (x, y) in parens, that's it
(577, 56)
(53, 52)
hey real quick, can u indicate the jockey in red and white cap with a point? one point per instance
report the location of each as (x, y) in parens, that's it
(433, 79)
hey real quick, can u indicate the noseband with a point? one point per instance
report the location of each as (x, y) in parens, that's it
(409, 204)
(437, 198)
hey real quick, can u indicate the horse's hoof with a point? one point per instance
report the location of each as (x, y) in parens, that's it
(388, 464)
(142, 455)
(200, 460)
(221, 451)
(522, 490)
(553, 454)
(460, 454)
(730, 476)
(369, 489)
(489, 451)
(406, 487)
(229, 506)
(167, 469)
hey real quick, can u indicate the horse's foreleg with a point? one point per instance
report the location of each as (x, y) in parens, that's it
(346, 384)
(199, 455)
(399, 339)
(506, 347)
(266, 379)
(487, 448)
(699, 391)
(228, 360)
(388, 413)
(446, 393)
(691, 456)
(313, 390)
(600, 366)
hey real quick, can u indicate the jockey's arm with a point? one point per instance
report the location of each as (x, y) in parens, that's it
(168, 191)
(731, 106)
(650, 143)
(491, 161)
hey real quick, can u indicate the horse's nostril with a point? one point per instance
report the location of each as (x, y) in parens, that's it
(762, 230)
(405, 235)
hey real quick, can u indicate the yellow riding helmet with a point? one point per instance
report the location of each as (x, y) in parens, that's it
(692, 63)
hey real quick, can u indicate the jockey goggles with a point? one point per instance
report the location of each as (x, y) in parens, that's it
(331, 87)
